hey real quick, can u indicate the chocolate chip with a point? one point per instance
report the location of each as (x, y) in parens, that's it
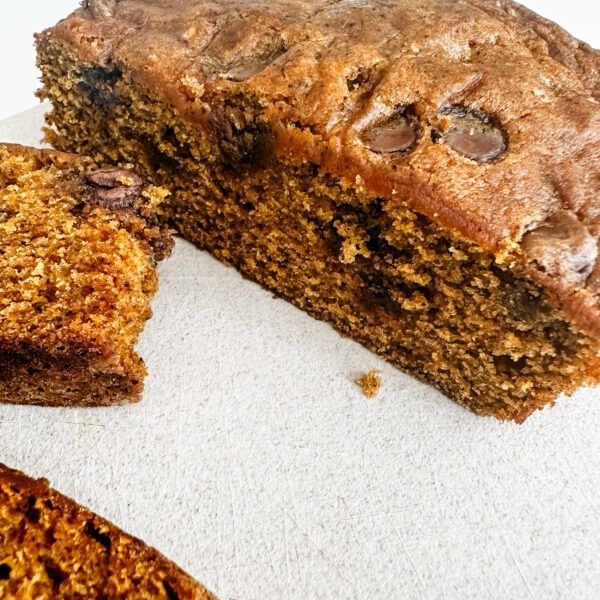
(398, 134)
(563, 246)
(101, 8)
(5, 571)
(249, 69)
(98, 85)
(244, 138)
(243, 72)
(117, 198)
(474, 134)
(102, 538)
(112, 178)
(114, 189)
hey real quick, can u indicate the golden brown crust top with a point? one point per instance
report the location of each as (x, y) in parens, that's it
(482, 115)
(51, 546)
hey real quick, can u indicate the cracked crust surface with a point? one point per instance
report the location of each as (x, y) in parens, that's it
(78, 271)
(51, 547)
(322, 73)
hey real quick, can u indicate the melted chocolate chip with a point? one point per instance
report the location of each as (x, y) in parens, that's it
(249, 69)
(563, 246)
(475, 135)
(117, 198)
(246, 71)
(399, 134)
(98, 85)
(245, 140)
(112, 178)
(114, 189)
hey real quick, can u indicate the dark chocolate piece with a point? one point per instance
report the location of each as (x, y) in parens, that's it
(398, 134)
(563, 246)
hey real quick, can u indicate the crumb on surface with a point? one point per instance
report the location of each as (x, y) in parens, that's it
(370, 383)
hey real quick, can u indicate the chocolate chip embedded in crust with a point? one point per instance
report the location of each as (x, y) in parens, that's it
(115, 177)
(475, 135)
(246, 71)
(101, 8)
(249, 69)
(399, 134)
(563, 246)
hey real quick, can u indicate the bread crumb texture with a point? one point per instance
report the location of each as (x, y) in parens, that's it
(52, 548)
(370, 383)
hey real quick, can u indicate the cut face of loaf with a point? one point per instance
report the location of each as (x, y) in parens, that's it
(423, 177)
(50, 547)
(77, 273)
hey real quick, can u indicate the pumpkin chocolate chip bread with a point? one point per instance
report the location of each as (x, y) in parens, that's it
(50, 547)
(77, 273)
(423, 175)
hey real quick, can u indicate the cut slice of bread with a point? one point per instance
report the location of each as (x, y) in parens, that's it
(78, 271)
(50, 547)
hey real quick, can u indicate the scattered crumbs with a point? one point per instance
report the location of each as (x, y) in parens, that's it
(370, 383)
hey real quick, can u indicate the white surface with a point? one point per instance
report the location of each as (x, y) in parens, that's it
(256, 463)
(19, 20)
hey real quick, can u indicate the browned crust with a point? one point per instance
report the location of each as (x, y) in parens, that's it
(218, 211)
(182, 584)
(537, 80)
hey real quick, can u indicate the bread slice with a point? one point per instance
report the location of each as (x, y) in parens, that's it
(77, 272)
(50, 547)
(422, 175)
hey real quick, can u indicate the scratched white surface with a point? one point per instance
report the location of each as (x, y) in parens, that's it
(255, 462)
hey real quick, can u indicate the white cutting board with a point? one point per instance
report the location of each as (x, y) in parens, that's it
(255, 462)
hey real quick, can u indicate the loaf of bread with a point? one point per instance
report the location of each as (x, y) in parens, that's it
(77, 273)
(50, 547)
(422, 175)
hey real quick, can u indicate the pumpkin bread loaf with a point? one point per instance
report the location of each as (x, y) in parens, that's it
(424, 175)
(77, 273)
(50, 547)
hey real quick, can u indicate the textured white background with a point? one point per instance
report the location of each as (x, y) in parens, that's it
(255, 462)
